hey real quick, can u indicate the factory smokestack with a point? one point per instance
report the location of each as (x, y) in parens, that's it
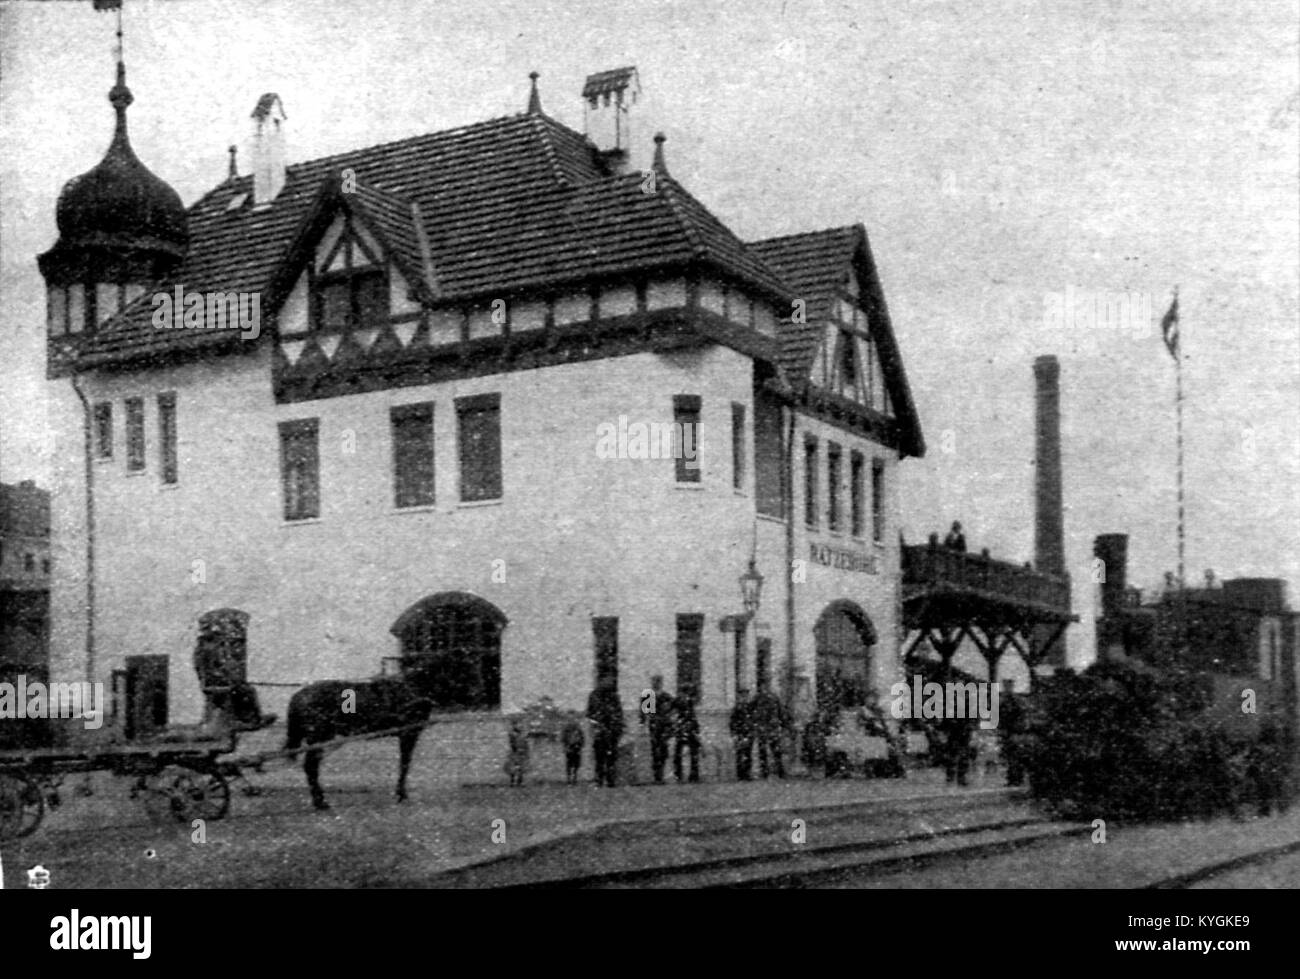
(1049, 522)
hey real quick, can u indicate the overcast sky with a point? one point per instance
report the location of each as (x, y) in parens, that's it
(996, 153)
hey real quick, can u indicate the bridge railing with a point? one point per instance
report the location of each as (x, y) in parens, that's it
(927, 564)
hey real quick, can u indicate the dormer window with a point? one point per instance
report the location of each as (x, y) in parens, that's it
(353, 299)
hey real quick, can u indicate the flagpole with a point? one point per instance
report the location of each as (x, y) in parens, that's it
(1182, 511)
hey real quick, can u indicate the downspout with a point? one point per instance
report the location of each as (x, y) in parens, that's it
(90, 531)
(789, 559)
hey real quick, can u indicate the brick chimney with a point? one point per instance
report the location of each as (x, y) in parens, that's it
(608, 98)
(1049, 520)
(268, 149)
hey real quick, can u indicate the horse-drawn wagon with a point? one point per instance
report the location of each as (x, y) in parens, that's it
(182, 772)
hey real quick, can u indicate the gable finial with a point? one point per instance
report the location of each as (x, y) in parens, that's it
(534, 99)
(659, 164)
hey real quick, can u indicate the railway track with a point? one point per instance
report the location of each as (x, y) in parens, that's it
(1210, 871)
(814, 866)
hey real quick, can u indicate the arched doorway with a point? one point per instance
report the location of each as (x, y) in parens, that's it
(459, 636)
(845, 637)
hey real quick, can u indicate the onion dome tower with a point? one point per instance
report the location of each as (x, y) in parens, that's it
(121, 228)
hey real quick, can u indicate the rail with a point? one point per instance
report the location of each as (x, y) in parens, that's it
(928, 566)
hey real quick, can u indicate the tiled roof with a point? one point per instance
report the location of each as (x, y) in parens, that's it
(814, 264)
(508, 205)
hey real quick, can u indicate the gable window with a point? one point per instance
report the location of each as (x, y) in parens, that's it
(737, 445)
(167, 435)
(479, 443)
(300, 468)
(135, 434)
(834, 472)
(878, 500)
(810, 481)
(413, 454)
(103, 417)
(848, 374)
(686, 437)
(769, 455)
(857, 465)
(351, 299)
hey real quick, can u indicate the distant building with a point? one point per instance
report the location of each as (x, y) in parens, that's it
(1242, 628)
(24, 587)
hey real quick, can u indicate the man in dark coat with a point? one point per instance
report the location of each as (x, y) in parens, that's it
(1011, 730)
(742, 735)
(955, 540)
(688, 736)
(658, 714)
(957, 750)
(605, 711)
(770, 724)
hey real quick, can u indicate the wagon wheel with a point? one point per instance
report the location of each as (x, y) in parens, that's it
(184, 794)
(22, 806)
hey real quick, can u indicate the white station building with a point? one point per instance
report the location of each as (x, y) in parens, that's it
(497, 397)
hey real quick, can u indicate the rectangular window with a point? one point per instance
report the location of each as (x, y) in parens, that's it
(300, 468)
(135, 434)
(833, 474)
(763, 663)
(372, 299)
(335, 302)
(856, 511)
(738, 653)
(686, 438)
(690, 635)
(878, 499)
(810, 481)
(769, 455)
(413, 454)
(104, 430)
(479, 422)
(737, 445)
(604, 633)
(167, 436)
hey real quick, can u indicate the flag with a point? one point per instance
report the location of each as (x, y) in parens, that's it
(108, 4)
(1169, 328)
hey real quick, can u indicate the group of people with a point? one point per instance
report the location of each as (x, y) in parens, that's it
(671, 723)
(764, 720)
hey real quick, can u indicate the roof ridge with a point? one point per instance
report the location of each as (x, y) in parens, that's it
(553, 158)
(807, 234)
(670, 186)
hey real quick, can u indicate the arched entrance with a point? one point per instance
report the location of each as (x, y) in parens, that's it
(845, 637)
(459, 636)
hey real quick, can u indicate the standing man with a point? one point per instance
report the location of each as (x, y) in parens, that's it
(657, 713)
(770, 723)
(688, 736)
(958, 748)
(742, 735)
(955, 540)
(605, 712)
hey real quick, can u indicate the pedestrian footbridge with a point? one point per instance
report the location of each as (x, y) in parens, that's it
(951, 595)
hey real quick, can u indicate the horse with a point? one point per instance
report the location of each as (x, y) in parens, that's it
(330, 709)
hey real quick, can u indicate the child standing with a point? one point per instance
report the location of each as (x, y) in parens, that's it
(573, 739)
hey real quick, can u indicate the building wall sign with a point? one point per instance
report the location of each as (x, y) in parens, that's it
(838, 557)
